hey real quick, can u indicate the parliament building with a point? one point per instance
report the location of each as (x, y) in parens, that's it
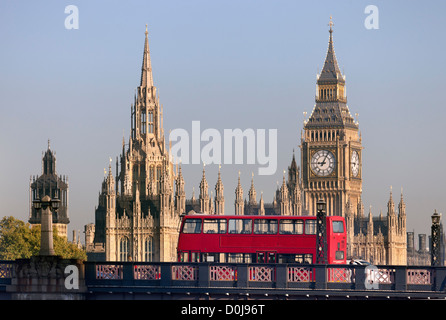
(138, 213)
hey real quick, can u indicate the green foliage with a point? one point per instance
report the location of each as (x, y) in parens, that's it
(19, 240)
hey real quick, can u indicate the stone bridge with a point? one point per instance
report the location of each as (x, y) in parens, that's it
(50, 277)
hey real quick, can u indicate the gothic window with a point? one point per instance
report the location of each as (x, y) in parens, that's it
(124, 249)
(152, 173)
(150, 122)
(149, 249)
(135, 172)
(133, 124)
(143, 122)
(158, 175)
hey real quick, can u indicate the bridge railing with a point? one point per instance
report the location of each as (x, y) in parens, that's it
(6, 271)
(211, 275)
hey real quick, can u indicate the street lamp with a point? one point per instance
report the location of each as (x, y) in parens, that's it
(321, 232)
(321, 206)
(435, 239)
(47, 205)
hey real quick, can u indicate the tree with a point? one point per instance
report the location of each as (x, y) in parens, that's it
(19, 240)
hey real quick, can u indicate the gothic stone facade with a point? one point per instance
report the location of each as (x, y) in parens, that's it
(138, 216)
(331, 159)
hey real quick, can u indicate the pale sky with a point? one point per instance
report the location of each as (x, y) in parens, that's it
(228, 64)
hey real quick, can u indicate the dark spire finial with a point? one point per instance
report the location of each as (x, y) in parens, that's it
(330, 70)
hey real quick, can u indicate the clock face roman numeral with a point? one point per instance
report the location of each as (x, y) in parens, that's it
(355, 163)
(323, 163)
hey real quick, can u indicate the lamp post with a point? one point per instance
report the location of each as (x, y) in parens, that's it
(46, 221)
(321, 232)
(435, 239)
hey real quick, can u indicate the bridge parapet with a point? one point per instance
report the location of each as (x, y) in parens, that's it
(206, 277)
(284, 280)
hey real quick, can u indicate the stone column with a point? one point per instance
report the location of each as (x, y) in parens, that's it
(46, 241)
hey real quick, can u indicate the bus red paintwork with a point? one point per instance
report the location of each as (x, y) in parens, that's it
(262, 239)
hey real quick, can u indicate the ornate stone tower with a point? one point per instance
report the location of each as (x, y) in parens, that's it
(48, 183)
(331, 144)
(138, 216)
(396, 232)
(146, 158)
(204, 194)
(239, 204)
(180, 193)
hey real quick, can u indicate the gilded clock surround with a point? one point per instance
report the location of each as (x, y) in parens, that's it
(314, 174)
(354, 152)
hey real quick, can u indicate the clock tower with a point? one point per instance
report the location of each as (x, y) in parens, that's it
(331, 145)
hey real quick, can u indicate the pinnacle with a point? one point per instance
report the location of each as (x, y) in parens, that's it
(146, 70)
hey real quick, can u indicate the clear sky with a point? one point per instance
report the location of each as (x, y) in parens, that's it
(229, 64)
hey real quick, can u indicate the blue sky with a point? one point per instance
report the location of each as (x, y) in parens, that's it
(228, 64)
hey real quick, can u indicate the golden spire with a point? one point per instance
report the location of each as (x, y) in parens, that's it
(331, 24)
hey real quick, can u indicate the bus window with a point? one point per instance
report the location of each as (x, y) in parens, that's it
(235, 257)
(239, 258)
(310, 227)
(192, 226)
(195, 257)
(295, 258)
(208, 257)
(214, 226)
(213, 257)
(338, 227)
(265, 226)
(184, 256)
(240, 226)
(266, 257)
(291, 226)
(261, 257)
(308, 258)
(271, 257)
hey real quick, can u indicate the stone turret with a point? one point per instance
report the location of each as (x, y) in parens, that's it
(239, 203)
(219, 195)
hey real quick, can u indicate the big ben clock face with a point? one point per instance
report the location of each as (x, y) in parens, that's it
(323, 163)
(355, 163)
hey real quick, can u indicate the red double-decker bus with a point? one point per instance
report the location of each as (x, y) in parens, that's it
(258, 239)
